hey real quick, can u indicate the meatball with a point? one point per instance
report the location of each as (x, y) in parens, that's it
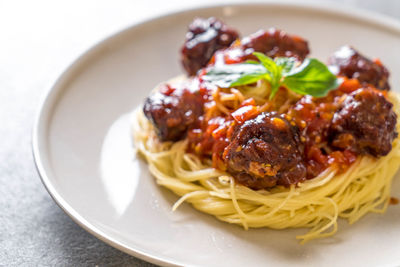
(276, 43)
(350, 63)
(365, 123)
(205, 36)
(172, 111)
(266, 151)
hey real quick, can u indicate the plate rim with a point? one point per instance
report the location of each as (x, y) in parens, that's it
(55, 87)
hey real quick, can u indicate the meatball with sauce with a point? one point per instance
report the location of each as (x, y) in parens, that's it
(266, 151)
(350, 63)
(365, 123)
(276, 43)
(205, 36)
(172, 111)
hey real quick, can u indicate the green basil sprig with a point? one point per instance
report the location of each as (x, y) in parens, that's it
(311, 77)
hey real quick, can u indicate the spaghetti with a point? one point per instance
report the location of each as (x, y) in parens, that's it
(316, 204)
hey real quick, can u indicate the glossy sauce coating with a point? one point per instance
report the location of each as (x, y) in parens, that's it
(205, 36)
(266, 151)
(364, 123)
(272, 42)
(350, 63)
(275, 43)
(173, 111)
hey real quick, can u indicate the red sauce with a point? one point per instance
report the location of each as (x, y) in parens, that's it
(245, 113)
(311, 115)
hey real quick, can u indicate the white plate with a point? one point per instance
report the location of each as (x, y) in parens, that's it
(83, 149)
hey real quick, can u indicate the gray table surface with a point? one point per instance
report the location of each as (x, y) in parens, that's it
(37, 41)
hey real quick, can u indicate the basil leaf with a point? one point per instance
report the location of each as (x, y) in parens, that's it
(275, 72)
(239, 74)
(266, 61)
(252, 62)
(312, 77)
(286, 63)
(247, 79)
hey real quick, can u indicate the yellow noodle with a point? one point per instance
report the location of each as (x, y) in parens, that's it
(315, 204)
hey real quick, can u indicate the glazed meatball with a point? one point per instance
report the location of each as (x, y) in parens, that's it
(266, 151)
(276, 43)
(205, 36)
(350, 63)
(365, 123)
(172, 111)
